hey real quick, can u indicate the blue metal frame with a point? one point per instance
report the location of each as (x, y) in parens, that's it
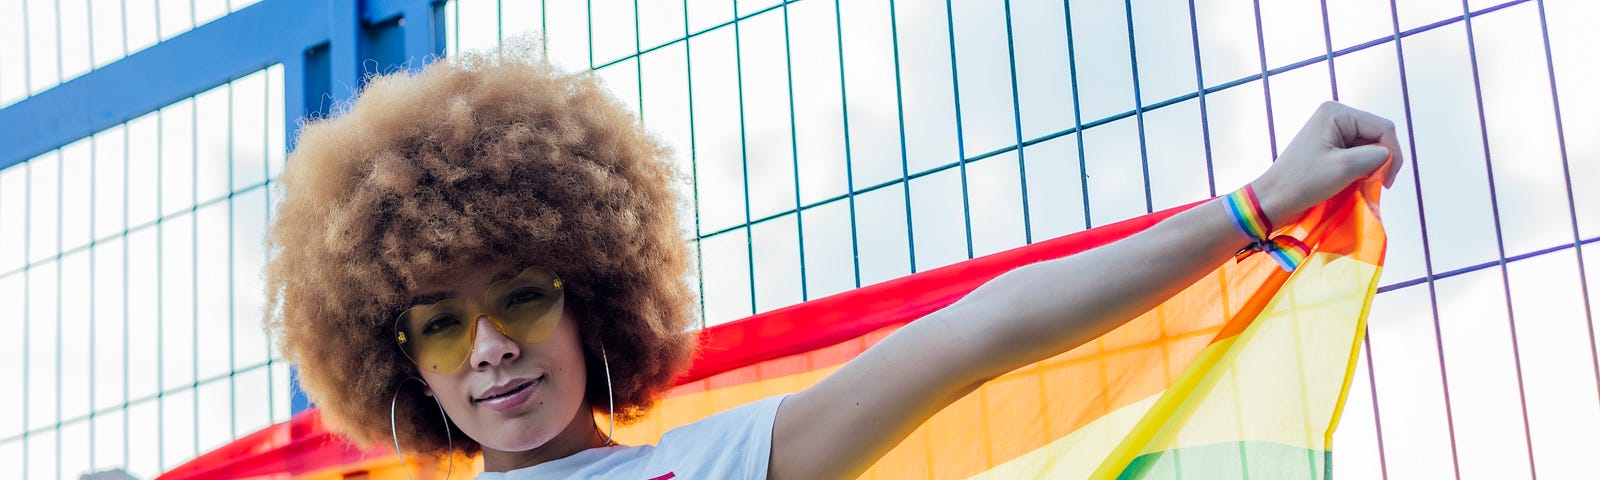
(322, 57)
(327, 49)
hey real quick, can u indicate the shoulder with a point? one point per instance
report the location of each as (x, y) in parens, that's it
(733, 444)
(616, 461)
(736, 443)
(745, 420)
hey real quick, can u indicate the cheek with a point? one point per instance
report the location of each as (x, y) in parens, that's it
(569, 356)
(448, 390)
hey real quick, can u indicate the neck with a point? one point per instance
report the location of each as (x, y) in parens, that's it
(582, 433)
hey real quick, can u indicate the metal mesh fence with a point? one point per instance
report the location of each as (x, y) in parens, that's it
(133, 261)
(837, 144)
(44, 43)
(828, 145)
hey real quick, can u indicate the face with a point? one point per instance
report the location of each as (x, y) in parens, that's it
(508, 396)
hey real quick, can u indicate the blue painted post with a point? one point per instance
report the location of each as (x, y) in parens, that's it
(424, 33)
(318, 78)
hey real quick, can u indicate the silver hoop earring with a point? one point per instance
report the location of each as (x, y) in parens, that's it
(610, 400)
(396, 436)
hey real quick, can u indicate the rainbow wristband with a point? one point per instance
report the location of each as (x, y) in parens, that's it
(1245, 210)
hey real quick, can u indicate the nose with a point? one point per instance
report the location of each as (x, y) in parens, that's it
(491, 348)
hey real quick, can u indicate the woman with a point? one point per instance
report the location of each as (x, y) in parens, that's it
(478, 257)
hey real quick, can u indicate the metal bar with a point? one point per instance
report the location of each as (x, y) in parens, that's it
(126, 369)
(194, 260)
(900, 123)
(638, 63)
(1266, 80)
(1489, 264)
(961, 140)
(588, 18)
(794, 136)
(1366, 342)
(1566, 176)
(849, 168)
(744, 159)
(27, 292)
(1499, 237)
(266, 197)
(1016, 114)
(686, 33)
(60, 184)
(293, 104)
(1138, 101)
(1327, 47)
(94, 143)
(161, 281)
(1377, 418)
(694, 165)
(1200, 93)
(1427, 249)
(1077, 113)
(233, 386)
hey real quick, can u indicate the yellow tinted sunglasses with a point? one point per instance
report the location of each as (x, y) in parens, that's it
(440, 336)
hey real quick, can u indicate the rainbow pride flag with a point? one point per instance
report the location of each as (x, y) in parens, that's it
(1242, 374)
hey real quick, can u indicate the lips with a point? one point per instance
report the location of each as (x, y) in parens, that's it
(507, 389)
(509, 397)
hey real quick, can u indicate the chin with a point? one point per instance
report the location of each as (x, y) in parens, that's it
(520, 441)
(521, 433)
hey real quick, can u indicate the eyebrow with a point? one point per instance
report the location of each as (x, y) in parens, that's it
(430, 298)
(436, 297)
(505, 274)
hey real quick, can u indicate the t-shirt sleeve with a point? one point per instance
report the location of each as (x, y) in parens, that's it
(733, 444)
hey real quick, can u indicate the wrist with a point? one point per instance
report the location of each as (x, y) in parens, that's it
(1248, 210)
(1276, 201)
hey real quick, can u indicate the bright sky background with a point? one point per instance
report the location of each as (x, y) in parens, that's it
(195, 251)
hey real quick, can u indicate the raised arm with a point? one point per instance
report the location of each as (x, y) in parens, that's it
(844, 423)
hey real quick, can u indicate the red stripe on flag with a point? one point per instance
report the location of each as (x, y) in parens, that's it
(827, 321)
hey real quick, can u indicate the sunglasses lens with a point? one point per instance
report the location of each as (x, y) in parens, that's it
(436, 337)
(529, 305)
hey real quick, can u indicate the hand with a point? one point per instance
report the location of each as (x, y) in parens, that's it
(1337, 146)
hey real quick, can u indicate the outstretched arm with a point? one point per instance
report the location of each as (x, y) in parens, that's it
(844, 423)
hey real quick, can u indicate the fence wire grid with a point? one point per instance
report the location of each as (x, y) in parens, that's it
(829, 145)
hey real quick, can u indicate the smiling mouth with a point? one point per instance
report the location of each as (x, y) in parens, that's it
(519, 389)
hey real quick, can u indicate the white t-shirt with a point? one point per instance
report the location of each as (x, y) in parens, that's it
(734, 444)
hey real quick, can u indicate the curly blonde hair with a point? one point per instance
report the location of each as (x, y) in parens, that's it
(491, 156)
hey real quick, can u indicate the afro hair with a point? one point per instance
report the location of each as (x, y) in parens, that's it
(495, 156)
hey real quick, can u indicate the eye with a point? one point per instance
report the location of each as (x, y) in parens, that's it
(440, 322)
(523, 296)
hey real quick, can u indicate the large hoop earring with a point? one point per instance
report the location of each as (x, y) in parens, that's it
(610, 400)
(393, 434)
